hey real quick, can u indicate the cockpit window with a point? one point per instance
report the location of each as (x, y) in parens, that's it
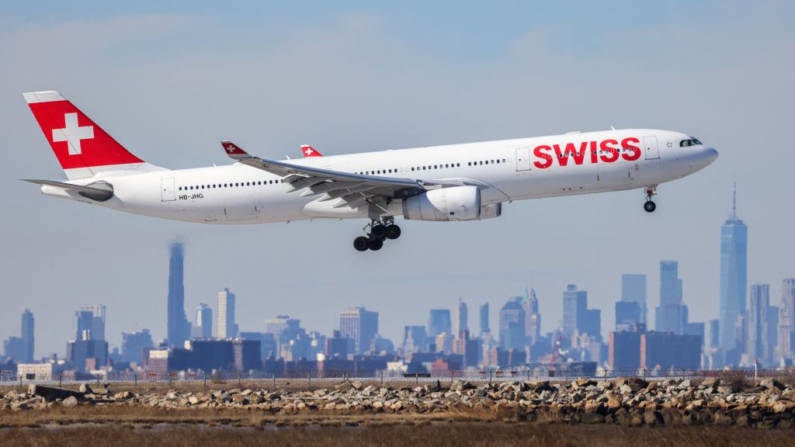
(690, 142)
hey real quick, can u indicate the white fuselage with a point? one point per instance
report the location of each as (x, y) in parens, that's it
(505, 170)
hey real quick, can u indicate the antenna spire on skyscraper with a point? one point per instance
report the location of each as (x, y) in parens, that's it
(734, 201)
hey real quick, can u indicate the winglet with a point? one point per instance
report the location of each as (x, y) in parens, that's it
(233, 150)
(309, 151)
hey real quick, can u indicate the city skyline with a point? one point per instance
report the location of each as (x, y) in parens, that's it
(89, 321)
(443, 83)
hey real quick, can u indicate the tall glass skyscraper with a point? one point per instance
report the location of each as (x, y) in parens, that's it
(227, 328)
(671, 314)
(204, 322)
(532, 317)
(28, 324)
(177, 325)
(359, 325)
(484, 318)
(512, 325)
(733, 276)
(460, 319)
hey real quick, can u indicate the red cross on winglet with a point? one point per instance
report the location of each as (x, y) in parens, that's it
(233, 150)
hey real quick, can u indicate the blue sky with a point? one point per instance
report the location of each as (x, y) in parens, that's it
(170, 79)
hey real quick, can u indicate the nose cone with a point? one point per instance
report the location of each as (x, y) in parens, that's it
(710, 155)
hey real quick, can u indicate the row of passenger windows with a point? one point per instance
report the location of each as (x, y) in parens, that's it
(230, 185)
(375, 172)
(431, 167)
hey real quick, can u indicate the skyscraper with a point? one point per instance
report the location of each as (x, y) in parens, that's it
(672, 314)
(460, 318)
(438, 322)
(88, 350)
(90, 322)
(226, 315)
(627, 315)
(95, 320)
(532, 317)
(84, 323)
(361, 326)
(575, 309)
(512, 325)
(178, 329)
(733, 276)
(204, 322)
(786, 315)
(483, 312)
(757, 347)
(633, 289)
(27, 336)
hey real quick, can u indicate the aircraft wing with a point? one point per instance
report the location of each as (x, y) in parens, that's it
(353, 190)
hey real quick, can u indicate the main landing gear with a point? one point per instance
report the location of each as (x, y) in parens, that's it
(650, 206)
(379, 232)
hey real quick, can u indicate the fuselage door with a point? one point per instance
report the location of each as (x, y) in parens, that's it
(650, 148)
(522, 159)
(167, 190)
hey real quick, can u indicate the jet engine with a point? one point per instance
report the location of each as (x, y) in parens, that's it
(445, 204)
(490, 211)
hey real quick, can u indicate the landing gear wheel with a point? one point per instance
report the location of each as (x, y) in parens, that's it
(392, 232)
(376, 244)
(649, 206)
(362, 243)
(378, 231)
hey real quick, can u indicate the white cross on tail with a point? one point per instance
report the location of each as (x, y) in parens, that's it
(72, 134)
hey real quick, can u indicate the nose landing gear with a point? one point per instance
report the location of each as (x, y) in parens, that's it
(650, 206)
(380, 230)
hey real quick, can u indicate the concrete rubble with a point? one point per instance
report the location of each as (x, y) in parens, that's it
(625, 401)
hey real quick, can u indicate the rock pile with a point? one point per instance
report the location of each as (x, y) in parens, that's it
(626, 401)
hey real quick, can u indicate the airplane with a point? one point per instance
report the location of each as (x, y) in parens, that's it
(459, 182)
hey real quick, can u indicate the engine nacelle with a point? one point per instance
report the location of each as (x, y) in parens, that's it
(445, 204)
(490, 211)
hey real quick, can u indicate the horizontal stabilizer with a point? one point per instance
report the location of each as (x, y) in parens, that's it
(100, 192)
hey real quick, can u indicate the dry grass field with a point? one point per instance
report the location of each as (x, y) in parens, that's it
(124, 425)
(393, 435)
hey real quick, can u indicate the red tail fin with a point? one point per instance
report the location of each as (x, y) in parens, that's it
(81, 146)
(309, 151)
